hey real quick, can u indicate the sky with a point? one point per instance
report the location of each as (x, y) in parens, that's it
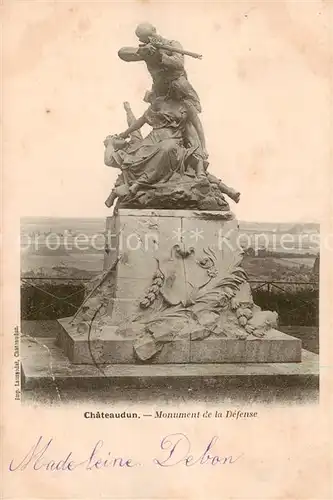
(263, 84)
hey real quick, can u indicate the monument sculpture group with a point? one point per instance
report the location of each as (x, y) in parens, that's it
(180, 295)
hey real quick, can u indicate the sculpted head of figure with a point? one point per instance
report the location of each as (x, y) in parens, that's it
(144, 31)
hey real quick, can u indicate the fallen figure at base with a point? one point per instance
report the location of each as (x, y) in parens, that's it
(167, 168)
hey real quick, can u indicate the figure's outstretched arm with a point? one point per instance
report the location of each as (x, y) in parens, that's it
(136, 125)
(130, 54)
(196, 122)
(137, 135)
(173, 60)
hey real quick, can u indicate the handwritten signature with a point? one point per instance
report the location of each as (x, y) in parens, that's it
(174, 450)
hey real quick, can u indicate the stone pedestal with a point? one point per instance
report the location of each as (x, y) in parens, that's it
(173, 291)
(110, 348)
(139, 237)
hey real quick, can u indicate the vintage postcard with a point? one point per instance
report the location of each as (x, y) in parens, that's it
(167, 250)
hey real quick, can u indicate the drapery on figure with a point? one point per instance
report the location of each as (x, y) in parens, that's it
(155, 158)
(168, 74)
(144, 162)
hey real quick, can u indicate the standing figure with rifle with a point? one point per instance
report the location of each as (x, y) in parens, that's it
(165, 62)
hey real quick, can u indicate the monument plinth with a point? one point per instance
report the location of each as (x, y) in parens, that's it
(173, 291)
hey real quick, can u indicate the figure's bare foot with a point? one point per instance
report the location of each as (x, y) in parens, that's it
(201, 174)
(134, 188)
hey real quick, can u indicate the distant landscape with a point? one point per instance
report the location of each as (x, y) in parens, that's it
(45, 253)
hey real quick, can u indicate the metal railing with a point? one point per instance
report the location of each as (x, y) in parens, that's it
(63, 299)
(278, 284)
(60, 299)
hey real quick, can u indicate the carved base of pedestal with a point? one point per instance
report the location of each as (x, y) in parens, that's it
(107, 347)
(173, 291)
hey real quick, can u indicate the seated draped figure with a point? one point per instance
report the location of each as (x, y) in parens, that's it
(168, 149)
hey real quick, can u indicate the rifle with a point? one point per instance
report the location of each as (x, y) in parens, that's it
(155, 42)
